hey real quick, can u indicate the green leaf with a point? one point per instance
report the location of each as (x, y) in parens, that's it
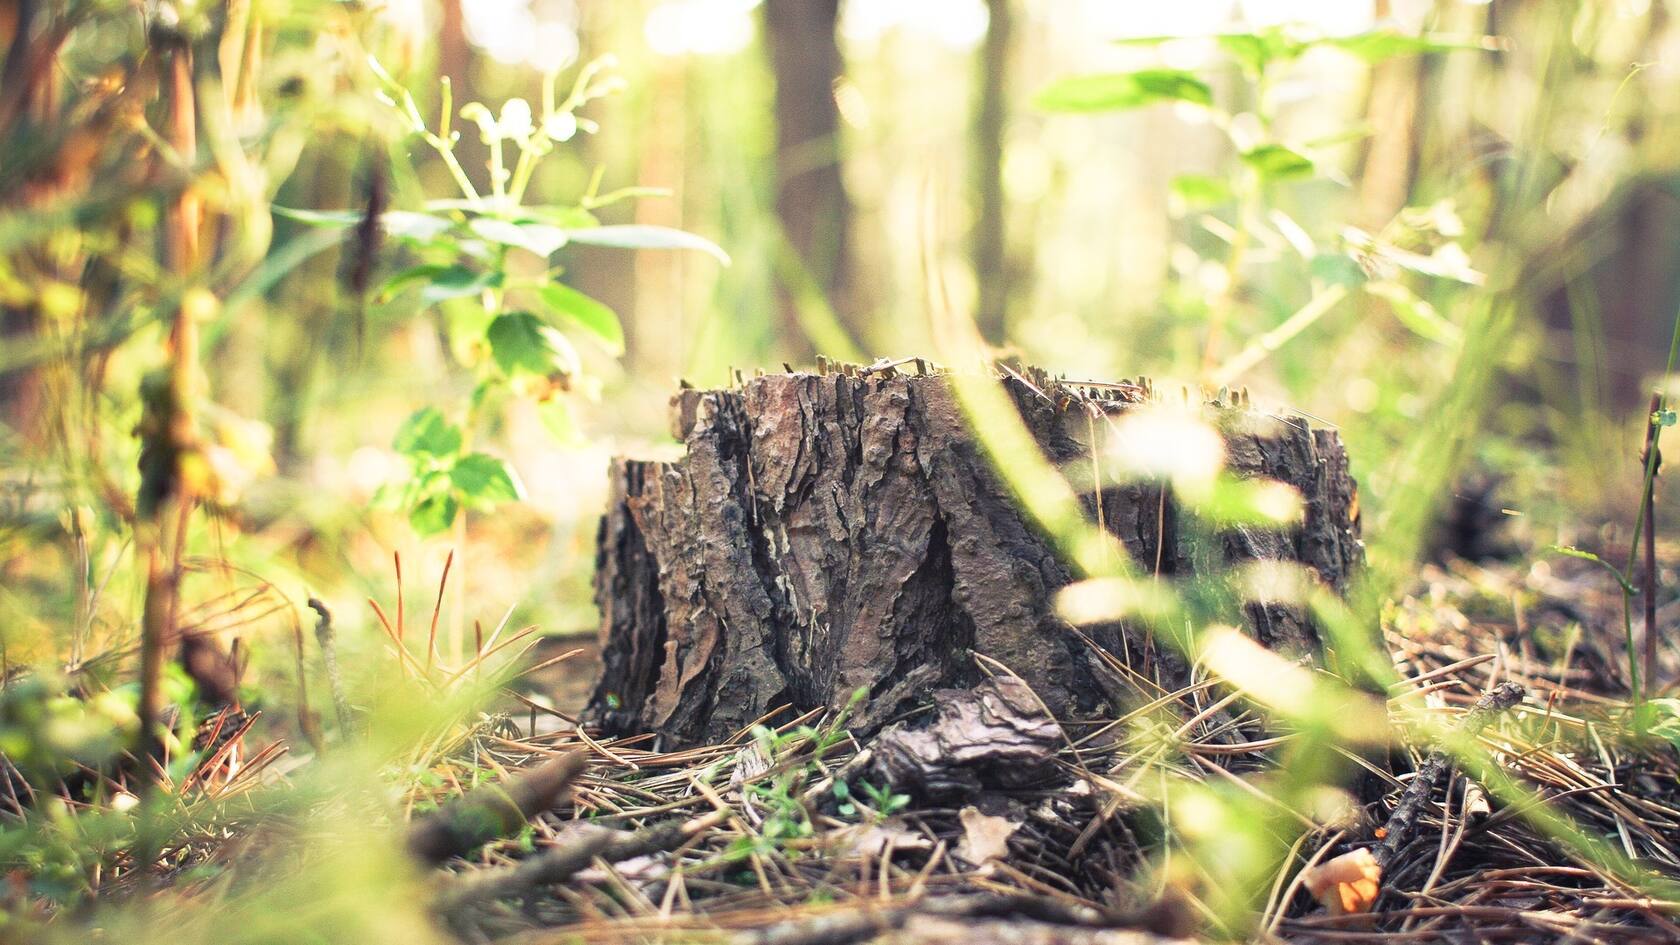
(1276, 162)
(420, 227)
(1115, 91)
(404, 224)
(1665, 417)
(1615, 572)
(320, 217)
(1255, 51)
(453, 282)
(1660, 718)
(427, 433)
(539, 238)
(424, 272)
(644, 236)
(434, 514)
(521, 344)
(1417, 314)
(1253, 502)
(566, 218)
(456, 203)
(1199, 191)
(587, 313)
(483, 480)
(1377, 45)
(390, 495)
(1337, 269)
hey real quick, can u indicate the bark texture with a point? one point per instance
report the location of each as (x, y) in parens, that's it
(827, 532)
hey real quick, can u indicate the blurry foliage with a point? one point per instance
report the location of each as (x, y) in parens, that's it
(1518, 153)
(1238, 211)
(466, 243)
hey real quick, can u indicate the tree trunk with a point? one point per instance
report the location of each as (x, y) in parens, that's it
(811, 201)
(830, 532)
(991, 112)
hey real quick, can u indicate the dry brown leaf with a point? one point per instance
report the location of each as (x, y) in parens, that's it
(1346, 884)
(873, 840)
(985, 837)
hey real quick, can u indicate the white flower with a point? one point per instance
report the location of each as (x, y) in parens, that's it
(560, 126)
(476, 113)
(515, 123)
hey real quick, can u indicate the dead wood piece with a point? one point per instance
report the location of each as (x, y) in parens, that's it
(493, 811)
(995, 735)
(1403, 822)
(570, 855)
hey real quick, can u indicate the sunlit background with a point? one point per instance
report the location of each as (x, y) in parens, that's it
(1103, 272)
(1533, 162)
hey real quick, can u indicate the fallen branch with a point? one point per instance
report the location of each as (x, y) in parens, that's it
(572, 854)
(1402, 823)
(493, 811)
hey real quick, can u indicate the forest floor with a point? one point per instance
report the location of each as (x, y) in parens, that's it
(751, 838)
(786, 834)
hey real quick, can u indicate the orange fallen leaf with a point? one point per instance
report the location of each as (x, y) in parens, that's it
(1346, 884)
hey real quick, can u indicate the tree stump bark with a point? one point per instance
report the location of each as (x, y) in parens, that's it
(827, 532)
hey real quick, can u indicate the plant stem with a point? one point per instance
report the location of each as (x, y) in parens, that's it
(1250, 198)
(445, 146)
(522, 173)
(1219, 312)
(175, 426)
(458, 610)
(498, 173)
(447, 152)
(1653, 428)
(1258, 350)
(1644, 524)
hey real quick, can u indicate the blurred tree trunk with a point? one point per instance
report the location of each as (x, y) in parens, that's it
(22, 404)
(658, 336)
(1385, 182)
(991, 110)
(454, 55)
(455, 62)
(624, 142)
(811, 201)
(26, 86)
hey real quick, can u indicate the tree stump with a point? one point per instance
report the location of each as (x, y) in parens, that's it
(832, 531)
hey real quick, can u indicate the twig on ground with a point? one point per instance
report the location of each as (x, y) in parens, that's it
(493, 811)
(325, 636)
(1403, 822)
(561, 861)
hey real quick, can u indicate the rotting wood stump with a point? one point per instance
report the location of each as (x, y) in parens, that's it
(831, 531)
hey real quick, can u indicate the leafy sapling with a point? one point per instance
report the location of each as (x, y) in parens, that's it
(1239, 221)
(513, 329)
